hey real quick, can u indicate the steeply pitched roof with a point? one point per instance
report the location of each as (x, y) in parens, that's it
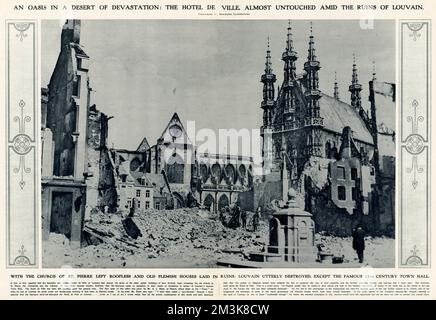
(144, 145)
(338, 114)
(175, 120)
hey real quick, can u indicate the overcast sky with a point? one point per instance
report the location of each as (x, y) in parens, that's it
(142, 71)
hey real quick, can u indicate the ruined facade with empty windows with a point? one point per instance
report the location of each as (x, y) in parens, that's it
(81, 175)
(74, 134)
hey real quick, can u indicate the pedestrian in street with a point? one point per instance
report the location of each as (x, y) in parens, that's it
(359, 242)
(244, 219)
(237, 216)
(221, 216)
(256, 219)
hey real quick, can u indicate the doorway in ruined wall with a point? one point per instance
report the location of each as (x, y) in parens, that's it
(61, 213)
(178, 201)
(223, 202)
(209, 203)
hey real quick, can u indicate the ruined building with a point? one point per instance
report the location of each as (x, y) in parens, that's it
(179, 175)
(317, 143)
(323, 147)
(74, 137)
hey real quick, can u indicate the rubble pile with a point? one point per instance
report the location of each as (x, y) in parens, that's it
(184, 238)
(179, 237)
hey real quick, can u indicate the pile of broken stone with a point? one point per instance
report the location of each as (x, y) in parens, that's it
(188, 234)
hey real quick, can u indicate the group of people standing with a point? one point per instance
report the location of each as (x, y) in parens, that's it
(239, 217)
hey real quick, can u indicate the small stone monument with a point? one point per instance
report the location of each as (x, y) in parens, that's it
(291, 235)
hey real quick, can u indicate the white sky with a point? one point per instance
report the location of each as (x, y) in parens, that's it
(142, 71)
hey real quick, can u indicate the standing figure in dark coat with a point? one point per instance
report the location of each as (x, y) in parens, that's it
(256, 218)
(244, 219)
(359, 242)
(237, 216)
(221, 216)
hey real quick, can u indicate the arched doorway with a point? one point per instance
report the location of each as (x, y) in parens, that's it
(209, 202)
(223, 202)
(178, 200)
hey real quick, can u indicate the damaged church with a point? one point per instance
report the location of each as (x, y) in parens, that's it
(323, 147)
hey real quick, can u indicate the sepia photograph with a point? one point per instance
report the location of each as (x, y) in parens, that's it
(218, 143)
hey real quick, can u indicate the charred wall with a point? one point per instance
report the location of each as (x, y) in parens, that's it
(328, 217)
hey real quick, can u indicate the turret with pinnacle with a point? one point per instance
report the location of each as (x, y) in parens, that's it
(289, 57)
(355, 88)
(268, 79)
(336, 88)
(313, 94)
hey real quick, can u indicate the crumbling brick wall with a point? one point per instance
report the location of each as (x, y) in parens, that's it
(107, 190)
(61, 114)
(100, 180)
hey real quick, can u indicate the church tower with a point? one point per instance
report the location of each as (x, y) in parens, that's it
(289, 57)
(355, 88)
(313, 121)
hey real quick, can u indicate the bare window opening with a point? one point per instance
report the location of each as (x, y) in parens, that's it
(341, 193)
(76, 86)
(354, 194)
(353, 173)
(341, 173)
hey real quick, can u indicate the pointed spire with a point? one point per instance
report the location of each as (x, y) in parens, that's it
(268, 64)
(336, 89)
(355, 88)
(268, 79)
(354, 79)
(311, 56)
(373, 71)
(289, 57)
(289, 42)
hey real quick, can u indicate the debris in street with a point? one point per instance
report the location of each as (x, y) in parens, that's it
(182, 237)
